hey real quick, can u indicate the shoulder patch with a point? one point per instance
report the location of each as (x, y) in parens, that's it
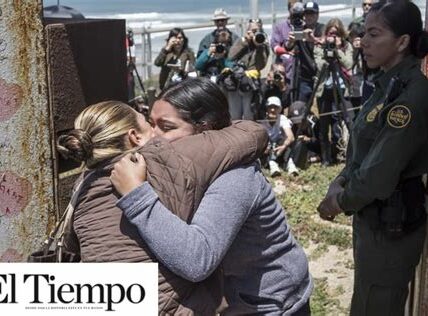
(373, 113)
(399, 116)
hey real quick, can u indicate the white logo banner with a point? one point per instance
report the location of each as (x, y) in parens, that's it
(79, 289)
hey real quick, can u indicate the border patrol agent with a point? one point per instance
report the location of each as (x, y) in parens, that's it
(381, 184)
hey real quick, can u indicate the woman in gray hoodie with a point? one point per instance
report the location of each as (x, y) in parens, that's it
(239, 225)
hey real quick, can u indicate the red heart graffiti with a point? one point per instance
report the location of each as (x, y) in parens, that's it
(10, 255)
(15, 193)
(10, 99)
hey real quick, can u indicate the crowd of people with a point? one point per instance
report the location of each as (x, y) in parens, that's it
(209, 217)
(312, 63)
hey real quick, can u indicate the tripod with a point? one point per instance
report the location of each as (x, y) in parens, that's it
(332, 68)
(332, 149)
(133, 72)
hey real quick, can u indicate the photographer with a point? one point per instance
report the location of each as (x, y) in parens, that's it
(306, 131)
(213, 60)
(251, 53)
(334, 54)
(176, 59)
(281, 138)
(306, 33)
(220, 19)
(362, 76)
(280, 35)
(275, 85)
(359, 66)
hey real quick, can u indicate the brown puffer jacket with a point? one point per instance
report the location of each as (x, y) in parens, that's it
(180, 172)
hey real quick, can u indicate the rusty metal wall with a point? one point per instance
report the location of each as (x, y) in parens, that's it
(86, 64)
(26, 178)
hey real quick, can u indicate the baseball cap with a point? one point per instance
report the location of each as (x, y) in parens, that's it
(296, 111)
(312, 7)
(273, 101)
(220, 14)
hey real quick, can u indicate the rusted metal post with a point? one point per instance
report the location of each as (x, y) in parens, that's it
(26, 180)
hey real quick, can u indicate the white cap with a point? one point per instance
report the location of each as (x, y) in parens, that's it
(275, 101)
(220, 14)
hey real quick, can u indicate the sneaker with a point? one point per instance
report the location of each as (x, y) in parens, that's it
(274, 169)
(291, 168)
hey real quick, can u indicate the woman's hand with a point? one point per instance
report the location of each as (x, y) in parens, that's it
(172, 42)
(129, 173)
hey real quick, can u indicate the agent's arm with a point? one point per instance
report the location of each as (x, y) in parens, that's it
(379, 173)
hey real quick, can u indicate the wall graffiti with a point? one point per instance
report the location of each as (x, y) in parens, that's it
(15, 193)
(10, 99)
(11, 255)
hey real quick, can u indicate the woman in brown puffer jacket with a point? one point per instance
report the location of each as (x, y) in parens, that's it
(103, 133)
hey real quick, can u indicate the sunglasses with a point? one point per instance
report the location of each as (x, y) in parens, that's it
(367, 4)
(254, 21)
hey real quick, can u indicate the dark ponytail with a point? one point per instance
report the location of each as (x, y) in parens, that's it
(393, 12)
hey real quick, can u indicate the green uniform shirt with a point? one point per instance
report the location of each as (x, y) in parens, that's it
(388, 142)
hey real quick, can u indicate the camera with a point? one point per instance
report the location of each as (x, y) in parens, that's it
(220, 48)
(297, 16)
(259, 37)
(330, 49)
(277, 76)
(299, 35)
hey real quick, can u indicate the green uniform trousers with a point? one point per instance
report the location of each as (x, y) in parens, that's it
(383, 267)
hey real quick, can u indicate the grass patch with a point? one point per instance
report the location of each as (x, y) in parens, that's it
(300, 201)
(322, 302)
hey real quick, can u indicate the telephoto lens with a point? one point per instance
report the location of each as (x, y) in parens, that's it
(260, 37)
(220, 48)
(277, 76)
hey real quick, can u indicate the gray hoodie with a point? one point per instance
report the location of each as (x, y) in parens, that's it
(240, 225)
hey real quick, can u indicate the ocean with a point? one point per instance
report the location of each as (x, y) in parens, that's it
(157, 14)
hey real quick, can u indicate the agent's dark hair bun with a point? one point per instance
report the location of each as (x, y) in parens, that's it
(76, 145)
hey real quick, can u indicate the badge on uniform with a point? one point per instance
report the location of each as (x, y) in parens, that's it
(372, 114)
(399, 116)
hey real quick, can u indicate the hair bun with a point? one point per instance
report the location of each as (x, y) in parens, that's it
(76, 145)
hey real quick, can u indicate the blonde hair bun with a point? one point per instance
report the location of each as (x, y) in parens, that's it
(76, 145)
